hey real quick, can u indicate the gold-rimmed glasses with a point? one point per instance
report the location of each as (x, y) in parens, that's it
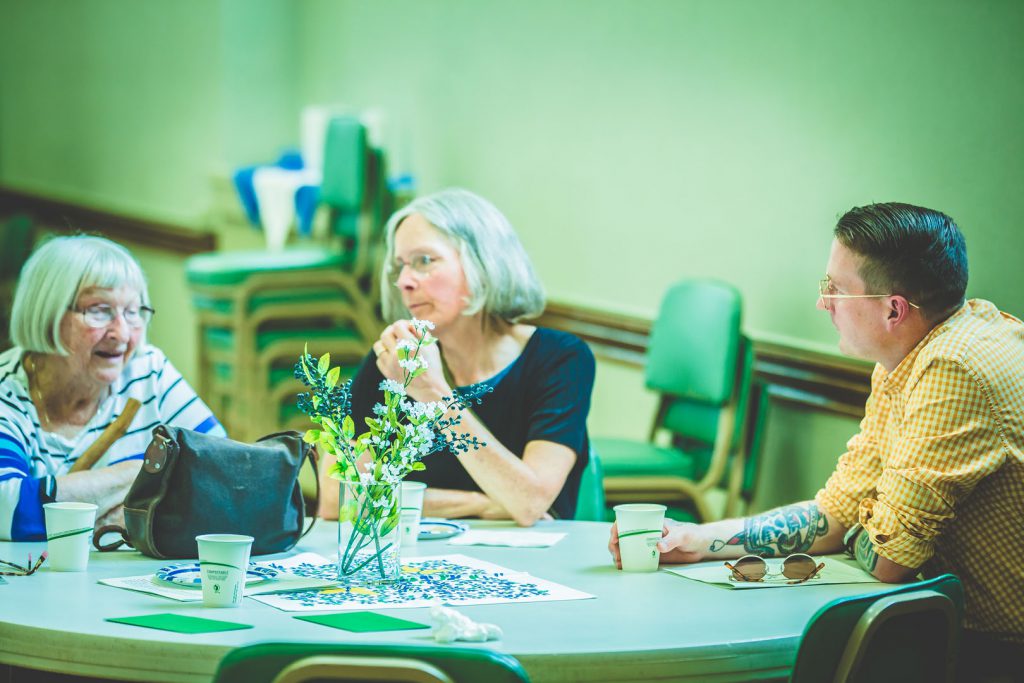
(12, 569)
(420, 264)
(798, 567)
(827, 292)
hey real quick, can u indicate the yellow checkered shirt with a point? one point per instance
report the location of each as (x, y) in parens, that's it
(936, 474)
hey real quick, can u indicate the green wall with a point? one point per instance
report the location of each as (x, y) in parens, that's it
(631, 143)
(634, 143)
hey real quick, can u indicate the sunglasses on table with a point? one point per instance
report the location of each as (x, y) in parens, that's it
(12, 569)
(798, 567)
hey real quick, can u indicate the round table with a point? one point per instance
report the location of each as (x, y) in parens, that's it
(638, 627)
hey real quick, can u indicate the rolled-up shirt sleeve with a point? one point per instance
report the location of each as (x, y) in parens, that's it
(948, 441)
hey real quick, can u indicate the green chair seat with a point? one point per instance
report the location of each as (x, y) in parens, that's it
(626, 458)
(221, 339)
(270, 297)
(233, 267)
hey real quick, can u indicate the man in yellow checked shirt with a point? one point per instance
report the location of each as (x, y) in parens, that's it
(934, 481)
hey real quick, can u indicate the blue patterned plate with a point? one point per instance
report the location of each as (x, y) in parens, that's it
(187, 574)
(432, 529)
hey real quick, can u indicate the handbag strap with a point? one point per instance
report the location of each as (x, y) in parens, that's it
(114, 545)
(313, 457)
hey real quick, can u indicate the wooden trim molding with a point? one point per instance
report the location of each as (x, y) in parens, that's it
(65, 216)
(798, 377)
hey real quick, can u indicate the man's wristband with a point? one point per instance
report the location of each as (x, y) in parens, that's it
(850, 538)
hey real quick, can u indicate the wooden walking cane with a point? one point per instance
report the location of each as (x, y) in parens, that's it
(114, 431)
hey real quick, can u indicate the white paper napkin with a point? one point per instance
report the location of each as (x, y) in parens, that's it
(512, 539)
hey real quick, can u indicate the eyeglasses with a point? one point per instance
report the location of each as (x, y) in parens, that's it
(826, 290)
(29, 568)
(99, 316)
(798, 567)
(420, 264)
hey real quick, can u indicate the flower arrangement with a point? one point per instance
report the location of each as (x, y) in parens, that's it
(372, 464)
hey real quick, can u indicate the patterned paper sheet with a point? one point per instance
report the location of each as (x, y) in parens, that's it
(426, 581)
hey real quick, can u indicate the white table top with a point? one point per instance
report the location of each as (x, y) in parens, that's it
(640, 626)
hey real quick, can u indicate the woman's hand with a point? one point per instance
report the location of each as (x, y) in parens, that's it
(113, 516)
(431, 384)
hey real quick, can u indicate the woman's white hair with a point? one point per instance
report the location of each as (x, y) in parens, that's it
(52, 279)
(500, 277)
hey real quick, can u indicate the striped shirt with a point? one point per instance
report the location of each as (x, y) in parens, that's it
(936, 474)
(28, 454)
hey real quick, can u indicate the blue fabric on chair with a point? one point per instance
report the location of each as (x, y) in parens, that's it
(307, 198)
(242, 179)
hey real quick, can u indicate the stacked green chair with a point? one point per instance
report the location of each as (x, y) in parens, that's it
(590, 505)
(701, 364)
(902, 635)
(257, 310)
(300, 662)
(16, 239)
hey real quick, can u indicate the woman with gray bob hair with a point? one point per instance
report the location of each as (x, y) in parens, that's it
(499, 274)
(454, 260)
(81, 383)
(51, 278)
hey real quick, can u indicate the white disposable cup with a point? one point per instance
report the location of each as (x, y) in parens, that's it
(68, 533)
(223, 562)
(412, 510)
(639, 526)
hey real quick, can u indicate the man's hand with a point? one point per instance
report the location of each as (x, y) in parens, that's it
(681, 543)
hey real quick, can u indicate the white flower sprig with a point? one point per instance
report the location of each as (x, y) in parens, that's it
(401, 432)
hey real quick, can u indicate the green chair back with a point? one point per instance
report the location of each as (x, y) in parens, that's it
(692, 355)
(343, 184)
(590, 502)
(262, 662)
(914, 645)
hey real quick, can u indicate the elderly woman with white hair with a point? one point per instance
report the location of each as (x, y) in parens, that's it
(80, 360)
(453, 259)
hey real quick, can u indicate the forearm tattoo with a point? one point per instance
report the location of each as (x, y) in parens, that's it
(865, 552)
(792, 529)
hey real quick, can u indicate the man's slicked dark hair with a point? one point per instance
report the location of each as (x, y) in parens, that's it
(909, 250)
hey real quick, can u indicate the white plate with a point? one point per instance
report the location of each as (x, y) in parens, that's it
(187, 574)
(433, 529)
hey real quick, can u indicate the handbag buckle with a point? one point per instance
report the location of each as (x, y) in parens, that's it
(156, 453)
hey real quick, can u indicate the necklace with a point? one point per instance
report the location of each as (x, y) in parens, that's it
(34, 391)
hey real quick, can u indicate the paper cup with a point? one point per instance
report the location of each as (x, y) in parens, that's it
(412, 510)
(68, 532)
(639, 526)
(223, 562)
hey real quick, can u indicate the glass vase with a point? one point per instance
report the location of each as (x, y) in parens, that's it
(369, 533)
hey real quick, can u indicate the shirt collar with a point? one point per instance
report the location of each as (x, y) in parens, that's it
(896, 379)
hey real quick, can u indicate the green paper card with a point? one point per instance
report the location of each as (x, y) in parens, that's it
(362, 622)
(180, 623)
